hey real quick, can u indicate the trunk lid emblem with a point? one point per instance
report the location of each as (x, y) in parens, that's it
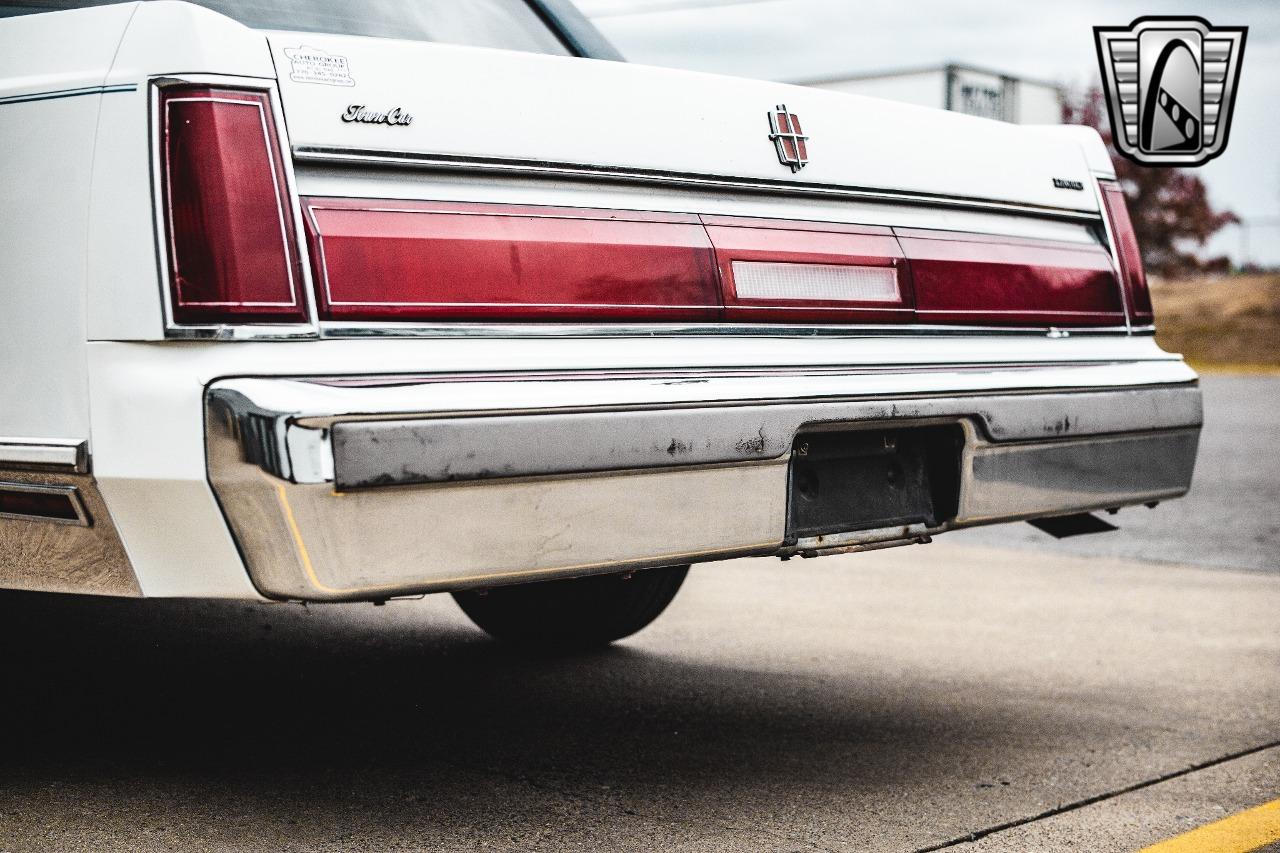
(788, 139)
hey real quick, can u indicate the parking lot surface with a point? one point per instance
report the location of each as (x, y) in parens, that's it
(888, 701)
(962, 696)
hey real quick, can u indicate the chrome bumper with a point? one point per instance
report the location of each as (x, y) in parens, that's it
(376, 486)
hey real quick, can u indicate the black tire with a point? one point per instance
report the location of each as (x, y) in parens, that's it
(580, 613)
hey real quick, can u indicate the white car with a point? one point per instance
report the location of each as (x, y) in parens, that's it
(329, 301)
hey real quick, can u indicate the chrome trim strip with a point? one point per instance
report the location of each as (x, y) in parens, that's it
(514, 166)
(696, 374)
(266, 332)
(68, 93)
(364, 329)
(69, 454)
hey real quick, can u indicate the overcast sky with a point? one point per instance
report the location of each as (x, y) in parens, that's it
(803, 39)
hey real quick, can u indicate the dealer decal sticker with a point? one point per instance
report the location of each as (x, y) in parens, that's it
(313, 65)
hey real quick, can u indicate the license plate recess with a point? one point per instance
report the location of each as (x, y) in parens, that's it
(865, 479)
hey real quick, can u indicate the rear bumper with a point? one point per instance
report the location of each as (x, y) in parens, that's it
(372, 486)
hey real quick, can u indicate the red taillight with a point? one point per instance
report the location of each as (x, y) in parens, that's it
(387, 260)
(1137, 296)
(233, 257)
(992, 280)
(415, 260)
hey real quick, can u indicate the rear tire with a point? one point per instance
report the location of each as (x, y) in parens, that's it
(580, 613)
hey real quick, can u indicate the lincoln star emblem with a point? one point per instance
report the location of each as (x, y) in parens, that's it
(788, 138)
(1170, 85)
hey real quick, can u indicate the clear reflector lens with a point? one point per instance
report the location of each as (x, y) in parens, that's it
(822, 282)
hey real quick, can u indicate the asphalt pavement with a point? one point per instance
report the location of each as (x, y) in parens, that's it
(973, 694)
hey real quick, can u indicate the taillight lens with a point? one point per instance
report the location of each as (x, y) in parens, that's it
(989, 279)
(233, 256)
(1137, 295)
(408, 261)
(391, 260)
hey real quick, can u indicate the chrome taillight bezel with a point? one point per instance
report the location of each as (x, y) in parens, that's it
(245, 330)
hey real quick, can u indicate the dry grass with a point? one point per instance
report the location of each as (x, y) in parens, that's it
(1230, 323)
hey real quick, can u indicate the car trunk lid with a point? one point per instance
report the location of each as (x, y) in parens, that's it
(350, 97)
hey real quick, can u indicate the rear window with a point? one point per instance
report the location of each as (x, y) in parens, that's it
(509, 24)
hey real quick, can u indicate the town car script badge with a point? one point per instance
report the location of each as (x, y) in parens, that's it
(788, 138)
(359, 113)
(1171, 85)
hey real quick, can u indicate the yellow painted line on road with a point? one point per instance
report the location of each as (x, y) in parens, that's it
(1240, 833)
